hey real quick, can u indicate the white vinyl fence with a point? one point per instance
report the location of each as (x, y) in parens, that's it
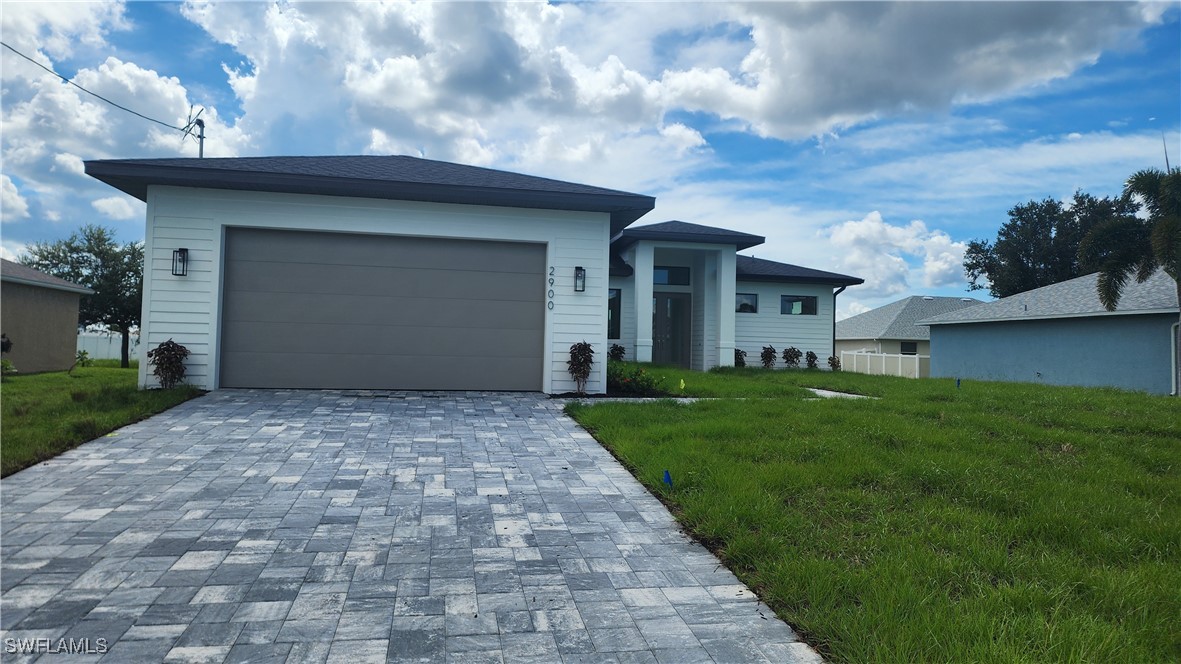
(106, 346)
(886, 364)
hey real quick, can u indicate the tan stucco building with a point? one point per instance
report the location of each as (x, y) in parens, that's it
(39, 314)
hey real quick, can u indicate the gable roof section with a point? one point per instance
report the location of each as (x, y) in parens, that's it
(394, 177)
(1074, 298)
(23, 274)
(683, 231)
(899, 320)
(749, 268)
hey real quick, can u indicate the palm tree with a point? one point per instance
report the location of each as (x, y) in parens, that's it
(1127, 246)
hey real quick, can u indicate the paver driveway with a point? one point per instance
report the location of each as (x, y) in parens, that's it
(252, 525)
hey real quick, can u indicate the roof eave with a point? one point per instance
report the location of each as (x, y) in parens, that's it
(740, 242)
(80, 290)
(1088, 314)
(834, 281)
(134, 180)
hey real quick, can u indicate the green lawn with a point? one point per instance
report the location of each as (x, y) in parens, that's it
(47, 414)
(991, 523)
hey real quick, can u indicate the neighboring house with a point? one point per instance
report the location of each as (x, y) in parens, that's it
(39, 313)
(1062, 335)
(703, 300)
(392, 272)
(893, 328)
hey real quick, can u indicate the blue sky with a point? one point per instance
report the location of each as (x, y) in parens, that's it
(873, 139)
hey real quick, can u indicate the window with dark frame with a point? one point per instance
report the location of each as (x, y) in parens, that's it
(614, 297)
(663, 275)
(746, 303)
(797, 305)
(910, 348)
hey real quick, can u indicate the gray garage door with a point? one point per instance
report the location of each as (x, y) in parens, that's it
(334, 310)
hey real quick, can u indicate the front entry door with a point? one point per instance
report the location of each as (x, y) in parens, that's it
(670, 328)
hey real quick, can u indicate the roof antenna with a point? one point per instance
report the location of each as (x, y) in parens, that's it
(195, 120)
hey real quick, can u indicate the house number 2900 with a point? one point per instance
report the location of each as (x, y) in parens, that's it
(550, 293)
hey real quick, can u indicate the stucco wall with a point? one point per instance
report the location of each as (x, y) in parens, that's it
(1129, 352)
(42, 324)
(187, 308)
(769, 327)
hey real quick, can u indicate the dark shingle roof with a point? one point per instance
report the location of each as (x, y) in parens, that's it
(749, 268)
(23, 274)
(899, 320)
(683, 231)
(393, 177)
(1074, 298)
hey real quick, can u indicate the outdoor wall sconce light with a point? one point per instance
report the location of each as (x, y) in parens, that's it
(579, 279)
(180, 262)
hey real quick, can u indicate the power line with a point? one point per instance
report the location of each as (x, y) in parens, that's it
(186, 130)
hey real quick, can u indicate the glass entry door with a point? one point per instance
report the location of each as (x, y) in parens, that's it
(671, 328)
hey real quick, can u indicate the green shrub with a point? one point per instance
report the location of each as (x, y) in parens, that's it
(632, 380)
(169, 361)
(812, 359)
(616, 352)
(7, 368)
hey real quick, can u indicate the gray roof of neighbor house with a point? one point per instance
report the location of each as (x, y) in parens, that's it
(749, 268)
(394, 177)
(1075, 298)
(23, 274)
(683, 231)
(899, 320)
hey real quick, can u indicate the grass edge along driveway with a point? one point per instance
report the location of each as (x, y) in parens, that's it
(994, 523)
(46, 414)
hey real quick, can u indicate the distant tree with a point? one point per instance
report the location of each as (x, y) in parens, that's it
(1039, 245)
(1126, 247)
(91, 258)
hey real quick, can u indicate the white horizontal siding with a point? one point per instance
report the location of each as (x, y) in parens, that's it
(187, 308)
(178, 308)
(768, 327)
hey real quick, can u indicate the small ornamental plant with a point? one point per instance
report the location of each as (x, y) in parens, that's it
(616, 352)
(834, 363)
(169, 361)
(767, 357)
(630, 380)
(739, 358)
(582, 358)
(792, 356)
(812, 359)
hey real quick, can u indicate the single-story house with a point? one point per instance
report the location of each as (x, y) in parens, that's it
(393, 272)
(893, 328)
(39, 313)
(1062, 335)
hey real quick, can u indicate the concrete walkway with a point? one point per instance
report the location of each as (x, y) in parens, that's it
(312, 526)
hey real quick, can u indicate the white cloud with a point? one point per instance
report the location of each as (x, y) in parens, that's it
(14, 205)
(10, 250)
(878, 252)
(118, 207)
(817, 67)
(58, 29)
(69, 163)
